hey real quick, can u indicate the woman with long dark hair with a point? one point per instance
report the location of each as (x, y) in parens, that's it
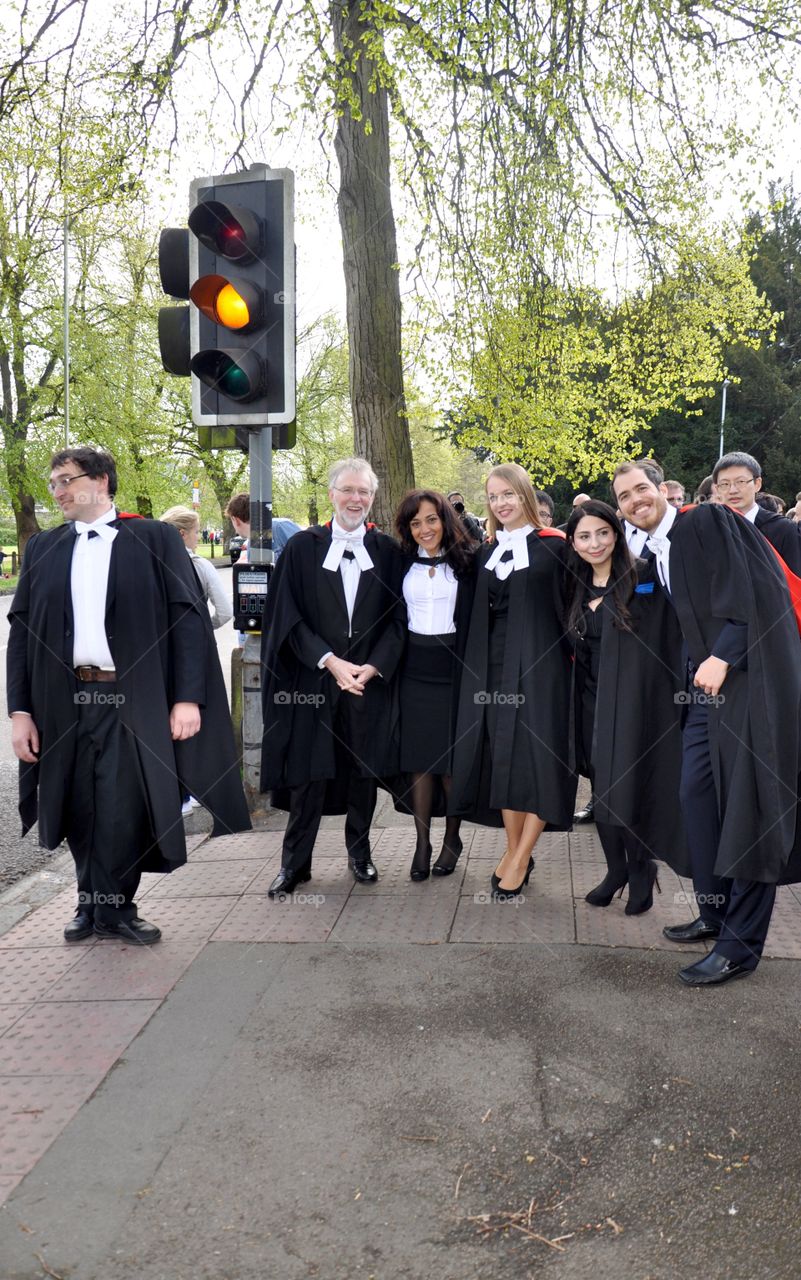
(512, 742)
(436, 590)
(627, 668)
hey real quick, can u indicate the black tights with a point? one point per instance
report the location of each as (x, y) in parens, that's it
(422, 803)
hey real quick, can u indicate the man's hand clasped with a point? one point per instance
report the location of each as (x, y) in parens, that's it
(350, 677)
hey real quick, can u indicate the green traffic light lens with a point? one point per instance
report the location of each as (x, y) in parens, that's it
(232, 380)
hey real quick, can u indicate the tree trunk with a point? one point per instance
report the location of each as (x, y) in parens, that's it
(372, 287)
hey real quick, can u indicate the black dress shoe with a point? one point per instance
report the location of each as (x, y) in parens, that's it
(713, 970)
(696, 931)
(286, 882)
(79, 928)
(363, 871)
(136, 930)
(584, 815)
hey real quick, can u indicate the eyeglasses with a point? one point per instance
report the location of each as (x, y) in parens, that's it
(64, 482)
(354, 493)
(723, 486)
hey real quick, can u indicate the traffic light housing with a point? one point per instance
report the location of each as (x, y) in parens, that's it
(236, 266)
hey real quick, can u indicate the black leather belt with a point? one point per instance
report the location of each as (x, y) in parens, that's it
(94, 674)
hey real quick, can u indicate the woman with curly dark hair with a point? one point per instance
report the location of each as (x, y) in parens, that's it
(627, 650)
(437, 592)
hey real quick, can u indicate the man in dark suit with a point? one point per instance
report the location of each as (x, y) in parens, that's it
(737, 478)
(741, 732)
(116, 697)
(333, 633)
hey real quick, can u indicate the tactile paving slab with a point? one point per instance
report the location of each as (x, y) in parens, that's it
(33, 1112)
(206, 879)
(9, 1013)
(185, 919)
(329, 875)
(533, 918)
(611, 927)
(298, 919)
(424, 917)
(75, 1038)
(249, 844)
(119, 971)
(26, 973)
(44, 927)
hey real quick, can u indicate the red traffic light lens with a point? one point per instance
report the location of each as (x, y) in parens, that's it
(233, 232)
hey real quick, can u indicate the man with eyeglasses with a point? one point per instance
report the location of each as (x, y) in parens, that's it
(737, 477)
(333, 634)
(116, 697)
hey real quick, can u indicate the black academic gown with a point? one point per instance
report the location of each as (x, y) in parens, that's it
(528, 768)
(636, 746)
(306, 617)
(721, 569)
(160, 637)
(783, 534)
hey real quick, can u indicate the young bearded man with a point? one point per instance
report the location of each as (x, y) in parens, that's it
(741, 750)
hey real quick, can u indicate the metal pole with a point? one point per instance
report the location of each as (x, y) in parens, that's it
(260, 453)
(726, 385)
(66, 327)
(260, 551)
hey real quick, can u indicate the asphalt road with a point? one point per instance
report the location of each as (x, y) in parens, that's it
(461, 1112)
(18, 857)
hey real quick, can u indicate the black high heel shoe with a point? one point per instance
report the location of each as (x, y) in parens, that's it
(641, 889)
(448, 859)
(603, 893)
(507, 895)
(421, 864)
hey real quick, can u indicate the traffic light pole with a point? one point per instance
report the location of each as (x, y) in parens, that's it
(260, 552)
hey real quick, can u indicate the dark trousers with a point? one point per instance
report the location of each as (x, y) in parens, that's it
(108, 827)
(306, 810)
(740, 908)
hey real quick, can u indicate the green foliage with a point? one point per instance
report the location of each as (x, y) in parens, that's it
(763, 414)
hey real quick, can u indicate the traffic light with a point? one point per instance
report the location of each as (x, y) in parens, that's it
(236, 266)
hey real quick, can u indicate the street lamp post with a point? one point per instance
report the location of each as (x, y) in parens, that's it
(726, 385)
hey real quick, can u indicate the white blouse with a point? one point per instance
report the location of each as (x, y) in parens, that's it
(430, 598)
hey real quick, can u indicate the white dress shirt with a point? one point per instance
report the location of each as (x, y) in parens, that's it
(343, 540)
(635, 538)
(91, 560)
(430, 597)
(659, 543)
(752, 514)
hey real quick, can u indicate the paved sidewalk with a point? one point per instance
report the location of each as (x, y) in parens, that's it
(68, 1014)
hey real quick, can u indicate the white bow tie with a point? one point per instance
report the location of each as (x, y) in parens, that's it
(341, 541)
(660, 545)
(515, 540)
(103, 531)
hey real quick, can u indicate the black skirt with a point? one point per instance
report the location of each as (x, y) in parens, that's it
(426, 704)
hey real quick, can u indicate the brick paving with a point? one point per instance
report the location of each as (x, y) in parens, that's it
(68, 1012)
